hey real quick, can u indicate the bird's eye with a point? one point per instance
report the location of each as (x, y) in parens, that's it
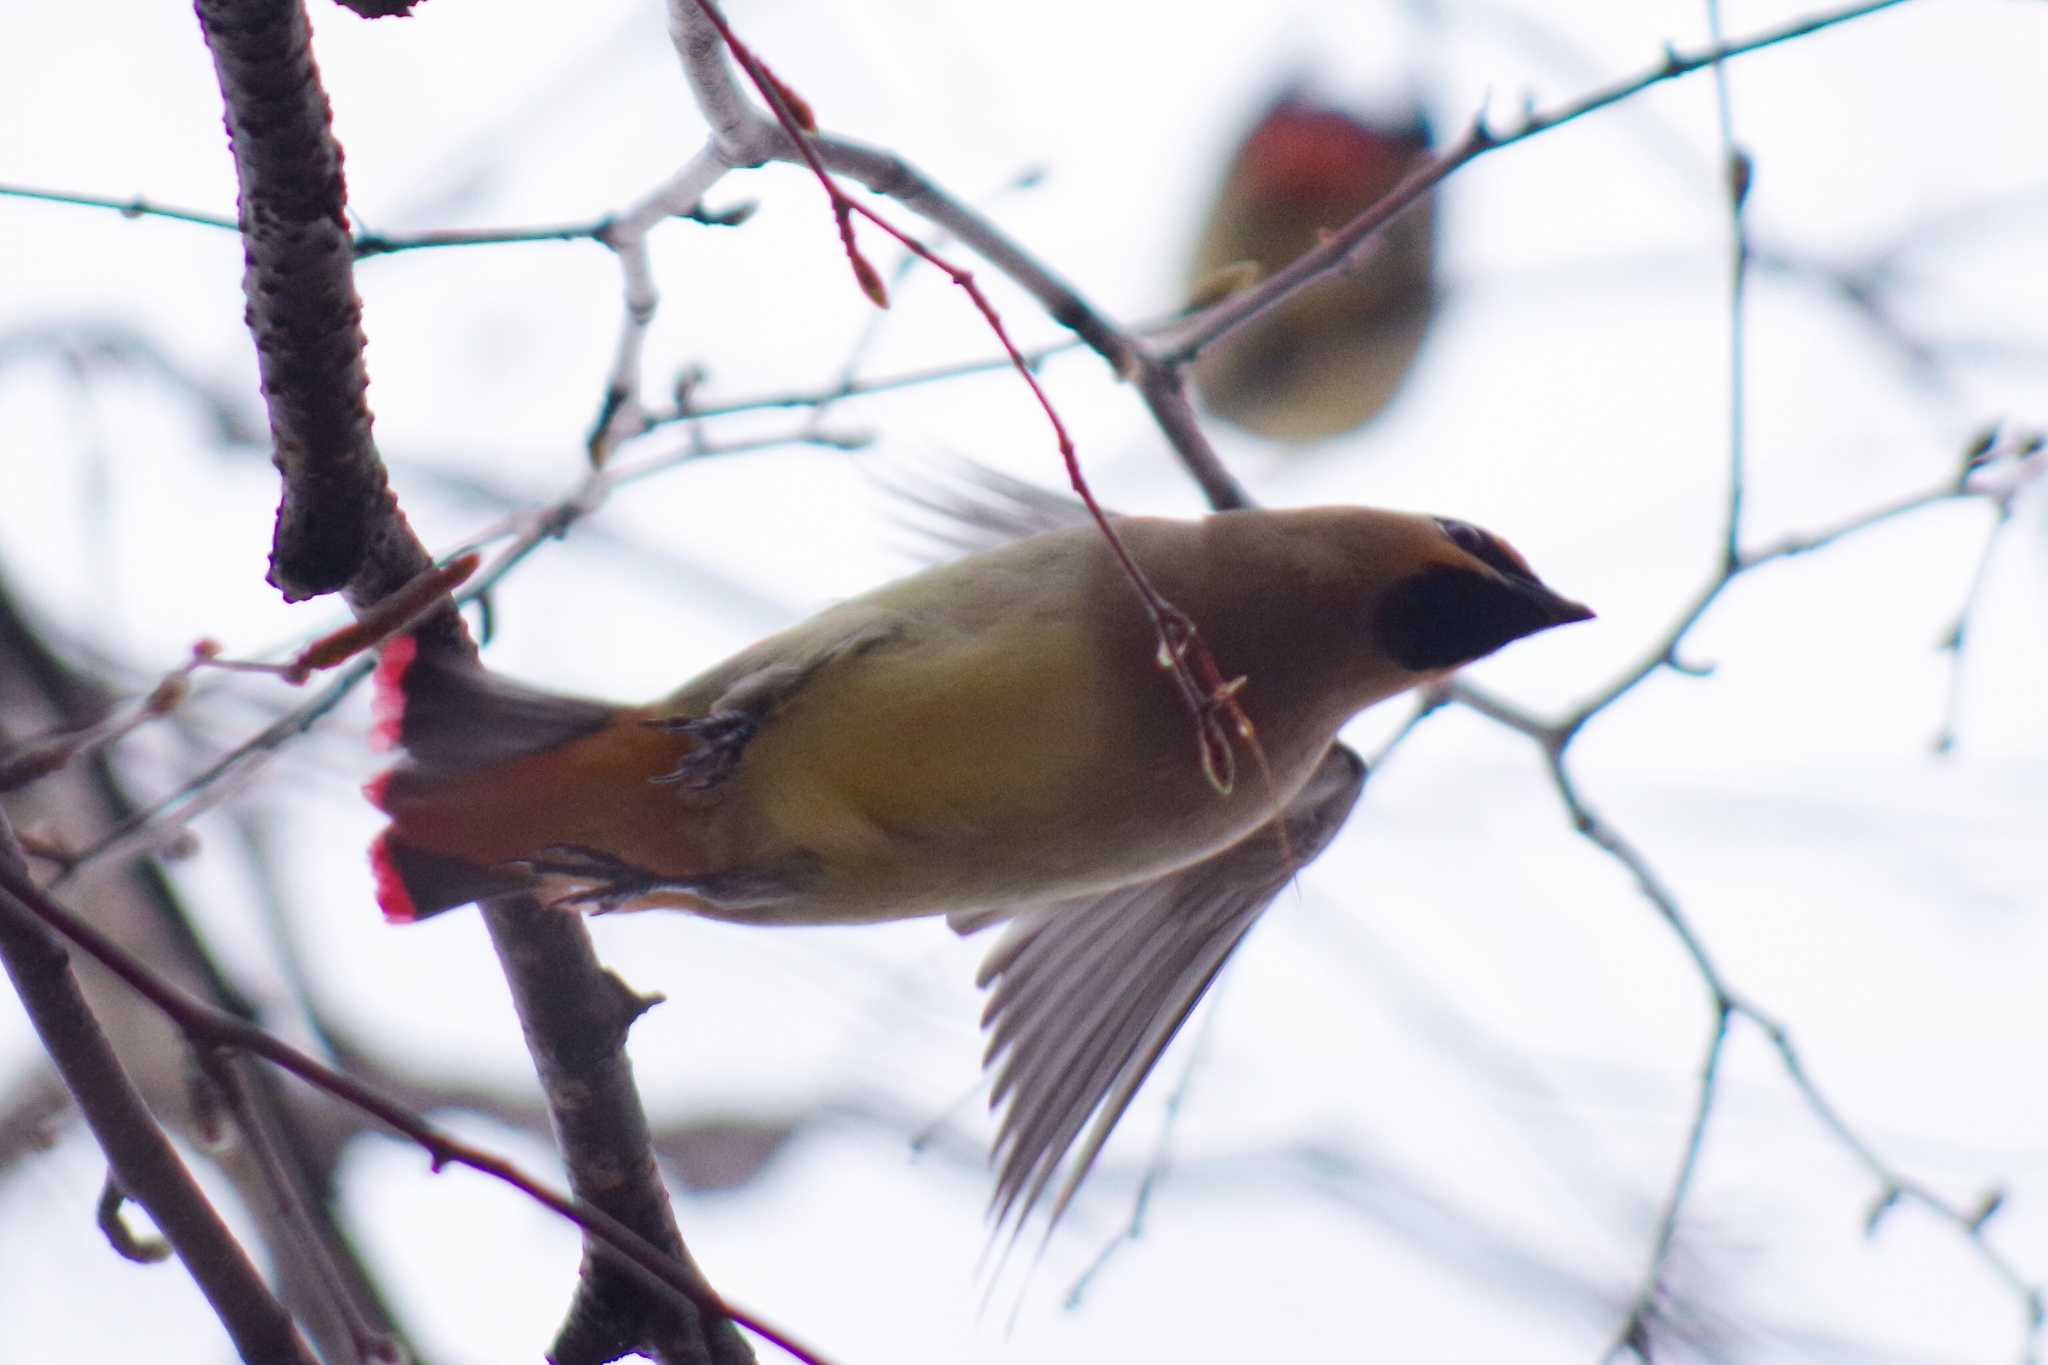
(1487, 548)
(1464, 535)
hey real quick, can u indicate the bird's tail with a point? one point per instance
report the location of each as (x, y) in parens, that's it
(473, 794)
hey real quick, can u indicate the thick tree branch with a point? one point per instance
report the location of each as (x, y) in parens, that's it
(339, 529)
(302, 305)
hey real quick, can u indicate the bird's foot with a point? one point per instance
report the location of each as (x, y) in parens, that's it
(722, 738)
(608, 882)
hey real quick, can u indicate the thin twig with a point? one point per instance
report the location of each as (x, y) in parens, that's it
(156, 825)
(1554, 738)
(1638, 1329)
(1956, 642)
(1738, 171)
(1157, 1167)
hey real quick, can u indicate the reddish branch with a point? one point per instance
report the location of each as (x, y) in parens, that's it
(1211, 699)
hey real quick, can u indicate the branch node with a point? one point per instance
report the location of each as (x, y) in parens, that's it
(1987, 1208)
(1690, 668)
(631, 1003)
(127, 1243)
(1741, 175)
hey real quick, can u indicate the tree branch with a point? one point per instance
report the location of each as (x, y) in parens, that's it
(144, 1164)
(209, 1028)
(339, 529)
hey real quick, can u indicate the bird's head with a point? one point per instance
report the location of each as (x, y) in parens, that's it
(1468, 594)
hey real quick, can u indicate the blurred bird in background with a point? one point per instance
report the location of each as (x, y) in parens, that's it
(1332, 357)
(994, 739)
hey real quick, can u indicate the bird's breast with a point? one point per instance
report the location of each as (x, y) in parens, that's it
(1029, 762)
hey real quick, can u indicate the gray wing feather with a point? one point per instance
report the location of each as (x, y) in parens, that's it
(972, 507)
(1086, 995)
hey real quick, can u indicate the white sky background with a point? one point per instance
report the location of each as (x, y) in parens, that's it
(1447, 1084)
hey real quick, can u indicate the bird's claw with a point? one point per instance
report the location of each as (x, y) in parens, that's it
(610, 883)
(722, 738)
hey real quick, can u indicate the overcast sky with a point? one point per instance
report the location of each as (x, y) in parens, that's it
(1438, 1100)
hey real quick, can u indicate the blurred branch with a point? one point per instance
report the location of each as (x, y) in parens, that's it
(144, 1163)
(210, 1029)
(1737, 172)
(162, 822)
(1156, 1168)
(85, 344)
(1999, 464)
(33, 1107)
(1351, 242)
(41, 693)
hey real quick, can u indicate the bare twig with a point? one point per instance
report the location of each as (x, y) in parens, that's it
(1554, 738)
(1737, 170)
(620, 416)
(164, 821)
(2016, 458)
(1155, 1169)
(1638, 1328)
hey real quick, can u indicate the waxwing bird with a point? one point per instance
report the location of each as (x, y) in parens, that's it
(993, 739)
(1332, 357)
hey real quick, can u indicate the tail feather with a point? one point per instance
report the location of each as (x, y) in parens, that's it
(414, 883)
(451, 716)
(455, 721)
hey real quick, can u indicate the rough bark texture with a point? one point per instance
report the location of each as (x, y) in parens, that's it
(339, 529)
(299, 283)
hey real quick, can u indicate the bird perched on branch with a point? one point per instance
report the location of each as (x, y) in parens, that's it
(1330, 358)
(995, 739)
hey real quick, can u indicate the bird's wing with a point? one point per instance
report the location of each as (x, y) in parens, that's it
(971, 507)
(1085, 995)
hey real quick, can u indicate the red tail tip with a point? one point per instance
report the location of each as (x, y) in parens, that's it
(392, 897)
(387, 698)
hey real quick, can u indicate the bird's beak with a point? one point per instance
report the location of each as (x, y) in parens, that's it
(1558, 611)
